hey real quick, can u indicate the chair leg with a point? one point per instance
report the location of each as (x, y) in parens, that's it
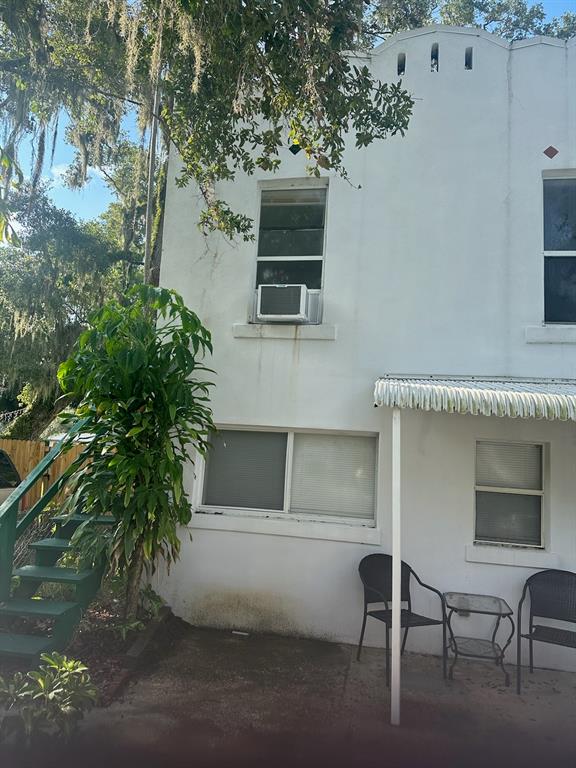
(518, 661)
(404, 640)
(444, 651)
(361, 636)
(531, 648)
(387, 656)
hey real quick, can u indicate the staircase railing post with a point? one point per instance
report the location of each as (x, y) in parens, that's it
(7, 541)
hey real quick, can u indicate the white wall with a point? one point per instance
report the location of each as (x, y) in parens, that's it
(434, 266)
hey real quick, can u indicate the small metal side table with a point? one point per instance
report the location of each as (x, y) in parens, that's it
(475, 647)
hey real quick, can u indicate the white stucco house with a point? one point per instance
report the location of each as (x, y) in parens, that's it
(449, 274)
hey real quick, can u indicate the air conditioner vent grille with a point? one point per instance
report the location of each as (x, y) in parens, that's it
(282, 303)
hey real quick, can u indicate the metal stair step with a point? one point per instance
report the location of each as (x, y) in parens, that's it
(98, 520)
(53, 574)
(52, 545)
(41, 609)
(25, 645)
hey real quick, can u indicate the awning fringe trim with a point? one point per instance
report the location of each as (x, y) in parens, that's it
(552, 400)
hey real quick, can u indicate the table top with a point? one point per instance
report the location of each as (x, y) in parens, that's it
(470, 603)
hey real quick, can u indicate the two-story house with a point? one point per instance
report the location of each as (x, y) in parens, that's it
(452, 259)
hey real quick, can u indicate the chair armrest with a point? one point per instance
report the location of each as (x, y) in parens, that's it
(432, 589)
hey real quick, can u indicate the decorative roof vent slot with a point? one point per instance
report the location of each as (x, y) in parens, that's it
(468, 54)
(401, 68)
(435, 57)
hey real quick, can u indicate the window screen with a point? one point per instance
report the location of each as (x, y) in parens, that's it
(291, 237)
(334, 475)
(292, 223)
(246, 469)
(503, 516)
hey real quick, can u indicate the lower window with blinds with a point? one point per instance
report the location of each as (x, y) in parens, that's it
(323, 476)
(509, 493)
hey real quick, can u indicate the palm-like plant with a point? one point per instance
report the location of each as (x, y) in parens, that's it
(139, 373)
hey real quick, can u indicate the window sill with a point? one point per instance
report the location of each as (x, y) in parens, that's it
(550, 334)
(276, 526)
(515, 556)
(290, 332)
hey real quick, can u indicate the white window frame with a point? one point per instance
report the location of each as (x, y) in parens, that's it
(543, 494)
(569, 173)
(291, 184)
(285, 514)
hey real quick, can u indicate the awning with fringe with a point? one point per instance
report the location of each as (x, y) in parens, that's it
(552, 399)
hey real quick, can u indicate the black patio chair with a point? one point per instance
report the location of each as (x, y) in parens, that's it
(376, 574)
(552, 596)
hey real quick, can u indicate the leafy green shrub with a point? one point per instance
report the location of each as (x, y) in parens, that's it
(51, 699)
(138, 371)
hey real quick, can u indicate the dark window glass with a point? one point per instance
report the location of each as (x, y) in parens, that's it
(560, 214)
(278, 272)
(9, 477)
(401, 66)
(508, 518)
(291, 225)
(468, 58)
(560, 289)
(301, 209)
(435, 57)
(246, 469)
(276, 243)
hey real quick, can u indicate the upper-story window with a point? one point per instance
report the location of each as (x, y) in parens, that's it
(560, 250)
(291, 251)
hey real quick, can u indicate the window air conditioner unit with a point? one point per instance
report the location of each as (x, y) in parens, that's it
(282, 303)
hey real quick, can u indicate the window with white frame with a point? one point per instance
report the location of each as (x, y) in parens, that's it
(291, 241)
(560, 250)
(318, 475)
(509, 493)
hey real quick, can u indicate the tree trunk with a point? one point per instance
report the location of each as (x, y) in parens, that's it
(133, 584)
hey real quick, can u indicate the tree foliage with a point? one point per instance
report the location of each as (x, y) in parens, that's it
(144, 395)
(238, 82)
(511, 19)
(61, 271)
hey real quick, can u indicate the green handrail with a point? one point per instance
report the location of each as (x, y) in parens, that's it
(10, 528)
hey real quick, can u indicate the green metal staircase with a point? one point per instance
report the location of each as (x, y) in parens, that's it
(56, 618)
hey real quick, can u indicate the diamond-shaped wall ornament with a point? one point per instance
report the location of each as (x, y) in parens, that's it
(551, 151)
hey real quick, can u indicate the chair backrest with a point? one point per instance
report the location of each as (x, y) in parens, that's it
(376, 574)
(553, 595)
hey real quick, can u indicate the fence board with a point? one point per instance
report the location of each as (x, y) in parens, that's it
(25, 454)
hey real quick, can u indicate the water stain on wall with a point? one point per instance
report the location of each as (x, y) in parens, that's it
(249, 610)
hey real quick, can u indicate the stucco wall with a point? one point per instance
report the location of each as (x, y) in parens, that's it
(434, 266)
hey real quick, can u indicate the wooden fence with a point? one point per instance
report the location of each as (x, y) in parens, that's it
(25, 454)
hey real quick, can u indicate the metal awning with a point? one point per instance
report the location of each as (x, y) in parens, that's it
(552, 399)
(514, 398)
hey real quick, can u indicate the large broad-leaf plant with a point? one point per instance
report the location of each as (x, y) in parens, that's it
(139, 374)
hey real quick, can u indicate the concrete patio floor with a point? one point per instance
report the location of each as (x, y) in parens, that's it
(211, 698)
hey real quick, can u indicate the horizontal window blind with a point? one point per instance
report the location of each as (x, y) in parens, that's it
(246, 469)
(334, 475)
(509, 465)
(508, 518)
